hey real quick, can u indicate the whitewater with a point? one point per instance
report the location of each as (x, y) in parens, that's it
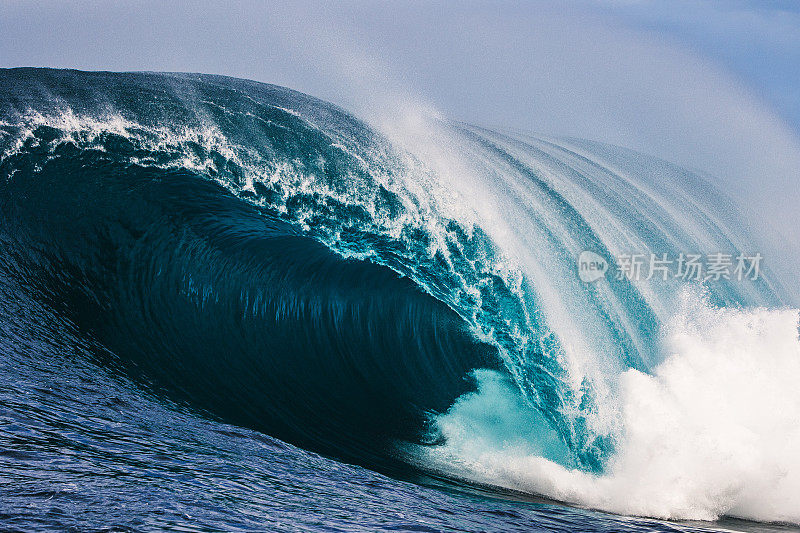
(420, 268)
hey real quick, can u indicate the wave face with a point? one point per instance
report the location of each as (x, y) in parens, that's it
(405, 295)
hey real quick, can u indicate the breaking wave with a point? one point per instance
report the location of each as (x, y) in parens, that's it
(404, 295)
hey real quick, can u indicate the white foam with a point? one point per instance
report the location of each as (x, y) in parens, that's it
(715, 430)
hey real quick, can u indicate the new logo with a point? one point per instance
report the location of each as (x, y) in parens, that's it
(591, 267)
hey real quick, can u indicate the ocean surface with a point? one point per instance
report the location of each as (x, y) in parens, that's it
(227, 305)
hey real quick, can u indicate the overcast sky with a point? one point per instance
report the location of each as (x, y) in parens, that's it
(710, 84)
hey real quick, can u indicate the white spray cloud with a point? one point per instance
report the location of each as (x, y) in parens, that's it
(567, 71)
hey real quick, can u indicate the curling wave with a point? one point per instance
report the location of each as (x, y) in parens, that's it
(407, 294)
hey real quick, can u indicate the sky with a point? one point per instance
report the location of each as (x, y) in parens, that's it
(759, 42)
(712, 85)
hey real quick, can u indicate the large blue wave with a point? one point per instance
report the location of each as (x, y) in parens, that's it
(279, 264)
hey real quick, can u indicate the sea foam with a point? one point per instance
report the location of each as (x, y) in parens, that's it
(712, 431)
